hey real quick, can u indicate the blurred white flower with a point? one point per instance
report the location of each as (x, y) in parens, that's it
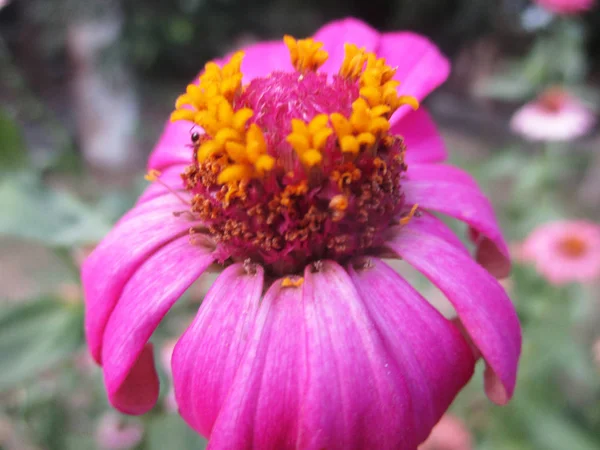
(554, 116)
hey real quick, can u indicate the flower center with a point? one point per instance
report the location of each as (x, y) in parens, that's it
(296, 167)
(573, 246)
(552, 100)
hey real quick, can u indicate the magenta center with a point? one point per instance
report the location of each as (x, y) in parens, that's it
(297, 215)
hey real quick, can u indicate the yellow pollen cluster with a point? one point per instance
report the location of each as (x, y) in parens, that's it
(306, 54)
(308, 140)
(292, 282)
(152, 175)
(375, 80)
(354, 61)
(338, 204)
(240, 146)
(215, 82)
(209, 105)
(378, 87)
(362, 129)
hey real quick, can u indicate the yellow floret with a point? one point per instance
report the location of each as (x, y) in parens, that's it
(235, 172)
(354, 61)
(288, 282)
(306, 54)
(308, 140)
(215, 83)
(363, 127)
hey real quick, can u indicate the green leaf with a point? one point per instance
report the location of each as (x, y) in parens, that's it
(32, 211)
(170, 431)
(34, 336)
(13, 152)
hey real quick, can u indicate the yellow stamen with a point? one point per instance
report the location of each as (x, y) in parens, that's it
(406, 219)
(376, 82)
(216, 82)
(208, 149)
(289, 282)
(349, 144)
(362, 129)
(339, 202)
(409, 100)
(235, 172)
(306, 54)
(354, 61)
(241, 147)
(264, 163)
(311, 158)
(182, 114)
(152, 175)
(308, 140)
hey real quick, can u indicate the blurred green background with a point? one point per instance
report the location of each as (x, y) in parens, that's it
(85, 88)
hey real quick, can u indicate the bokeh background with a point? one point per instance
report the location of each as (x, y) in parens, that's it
(85, 88)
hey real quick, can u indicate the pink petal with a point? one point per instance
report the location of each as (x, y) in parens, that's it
(450, 191)
(206, 358)
(148, 294)
(480, 302)
(357, 396)
(423, 142)
(316, 376)
(174, 146)
(265, 57)
(171, 177)
(440, 173)
(263, 406)
(335, 34)
(138, 235)
(318, 373)
(428, 348)
(420, 66)
(138, 392)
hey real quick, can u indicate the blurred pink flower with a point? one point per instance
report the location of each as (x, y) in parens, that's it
(566, 7)
(450, 433)
(112, 433)
(554, 116)
(565, 251)
(307, 338)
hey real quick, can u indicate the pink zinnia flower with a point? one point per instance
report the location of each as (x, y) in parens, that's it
(565, 251)
(450, 433)
(297, 177)
(566, 7)
(554, 116)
